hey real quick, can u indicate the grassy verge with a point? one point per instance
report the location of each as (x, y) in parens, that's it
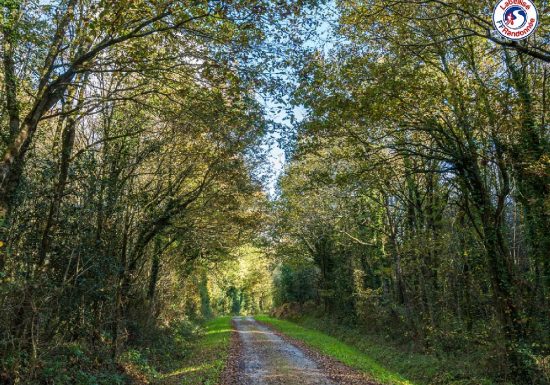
(384, 364)
(205, 359)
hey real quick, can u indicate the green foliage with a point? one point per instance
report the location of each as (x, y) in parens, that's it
(75, 363)
(206, 308)
(294, 284)
(242, 283)
(137, 361)
(235, 298)
(414, 201)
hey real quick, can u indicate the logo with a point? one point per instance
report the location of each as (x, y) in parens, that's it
(515, 19)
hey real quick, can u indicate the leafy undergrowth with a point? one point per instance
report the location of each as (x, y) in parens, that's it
(385, 364)
(203, 362)
(77, 362)
(151, 352)
(184, 353)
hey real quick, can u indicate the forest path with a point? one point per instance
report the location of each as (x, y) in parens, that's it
(267, 359)
(262, 356)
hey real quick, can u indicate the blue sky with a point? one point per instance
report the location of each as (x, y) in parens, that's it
(276, 155)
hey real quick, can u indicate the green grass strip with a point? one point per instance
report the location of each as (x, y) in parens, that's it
(207, 358)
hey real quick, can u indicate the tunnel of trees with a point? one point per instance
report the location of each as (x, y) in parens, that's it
(414, 201)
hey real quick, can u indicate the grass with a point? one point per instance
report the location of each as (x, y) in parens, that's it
(384, 364)
(205, 359)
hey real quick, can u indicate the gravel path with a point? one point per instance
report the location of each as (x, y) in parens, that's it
(267, 359)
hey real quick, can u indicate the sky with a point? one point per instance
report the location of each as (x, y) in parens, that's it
(276, 155)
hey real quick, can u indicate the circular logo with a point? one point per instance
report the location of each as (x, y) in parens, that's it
(515, 19)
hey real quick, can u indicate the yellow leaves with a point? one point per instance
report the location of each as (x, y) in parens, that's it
(541, 167)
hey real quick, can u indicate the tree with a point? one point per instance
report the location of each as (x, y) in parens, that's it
(410, 124)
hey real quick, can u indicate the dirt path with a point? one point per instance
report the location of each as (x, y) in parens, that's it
(268, 359)
(261, 356)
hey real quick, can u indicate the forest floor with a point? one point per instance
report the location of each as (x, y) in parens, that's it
(262, 356)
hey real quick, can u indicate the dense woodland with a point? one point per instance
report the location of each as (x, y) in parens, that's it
(414, 204)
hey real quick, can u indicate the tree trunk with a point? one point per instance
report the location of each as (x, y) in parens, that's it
(155, 268)
(67, 143)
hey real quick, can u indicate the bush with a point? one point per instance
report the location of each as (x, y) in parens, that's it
(76, 364)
